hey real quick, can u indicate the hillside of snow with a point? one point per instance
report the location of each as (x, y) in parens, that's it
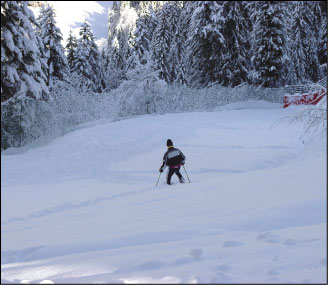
(85, 207)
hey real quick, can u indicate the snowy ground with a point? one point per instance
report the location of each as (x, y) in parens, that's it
(84, 208)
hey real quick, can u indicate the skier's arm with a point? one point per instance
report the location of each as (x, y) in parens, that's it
(163, 166)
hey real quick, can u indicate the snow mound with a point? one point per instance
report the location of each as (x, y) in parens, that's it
(250, 104)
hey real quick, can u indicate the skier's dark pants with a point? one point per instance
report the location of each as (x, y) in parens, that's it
(171, 172)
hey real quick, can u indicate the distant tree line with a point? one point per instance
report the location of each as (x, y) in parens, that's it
(195, 43)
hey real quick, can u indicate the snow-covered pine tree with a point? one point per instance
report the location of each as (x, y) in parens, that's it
(144, 31)
(135, 4)
(140, 42)
(298, 40)
(205, 43)
(173, 17)
(70, 49)
(51, 37)
(270, 49)
(43, 53)
(87, 62)
(113, 19)
(127, 21)
(117, 60)
(319, 16)
(163, 49)
(122, 51)
(180, 42)
(235, 64)
(322, 47)
(21, 66)
(160, 45)
(304, 42)
(312, 67)
(122, 22)
(104, 60)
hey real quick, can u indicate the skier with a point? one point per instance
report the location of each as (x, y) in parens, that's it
(173, 158)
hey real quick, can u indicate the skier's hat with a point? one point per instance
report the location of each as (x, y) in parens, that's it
(169, 143)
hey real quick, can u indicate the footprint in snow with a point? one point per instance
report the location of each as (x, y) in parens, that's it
(231, 243)
(220, 277)
(290, 242)
(150, 265)
(272, 272)
(196, 253)
(183, 260)
(278, 259)
(268, 237)
(223, 268)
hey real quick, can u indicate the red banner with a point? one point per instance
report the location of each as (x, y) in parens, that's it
(304, 99)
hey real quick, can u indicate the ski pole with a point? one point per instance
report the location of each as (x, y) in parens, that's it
(186, 173)
(158, 178)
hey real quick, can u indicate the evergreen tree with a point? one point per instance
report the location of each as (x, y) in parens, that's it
(180, 42)
(141, 41)
(311, 18)
(205, 43)
(161, 45)
(119, 52)
(319, 22)
(21, 66)
(104, 60)
(235, 64)
(135, 4)
(43, 53)
(298, 46)
(87, 62)
(142, 37)
(322, 47)
(113, 19)
(304, 43)
(173, 17)
(51, 39)
(270, 49)
(71, 49)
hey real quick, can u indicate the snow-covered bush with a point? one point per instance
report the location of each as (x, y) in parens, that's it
(23, 120)
(156, 96)
(313, 119)
(26, 119)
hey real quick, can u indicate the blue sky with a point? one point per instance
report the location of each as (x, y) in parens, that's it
(70, 15)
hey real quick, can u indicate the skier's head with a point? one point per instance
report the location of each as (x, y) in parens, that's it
(169, 143)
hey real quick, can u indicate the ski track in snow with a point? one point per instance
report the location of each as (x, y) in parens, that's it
(67, 207)
(234, 223)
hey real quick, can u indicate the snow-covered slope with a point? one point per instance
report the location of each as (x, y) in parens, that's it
(85, 208)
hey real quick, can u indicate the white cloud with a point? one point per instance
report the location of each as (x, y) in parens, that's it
(69, 13)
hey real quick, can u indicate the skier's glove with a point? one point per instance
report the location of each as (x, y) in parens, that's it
(160, 170)
(182, 163)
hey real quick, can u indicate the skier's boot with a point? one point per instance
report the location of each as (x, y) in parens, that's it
(182, 180)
